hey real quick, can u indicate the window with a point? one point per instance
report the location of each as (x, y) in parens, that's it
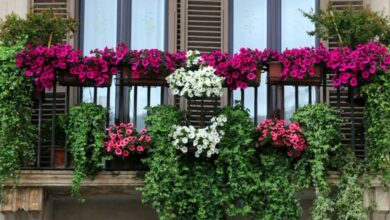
(250, 30)
(294, 35)
(99, 30)
(278, 24)
(103, 26)
(147, 31)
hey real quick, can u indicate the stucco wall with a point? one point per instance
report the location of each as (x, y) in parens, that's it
(19, 7)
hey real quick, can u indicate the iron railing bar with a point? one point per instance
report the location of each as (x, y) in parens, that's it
(162, 95)
(108, 106)
(255, 119)
(66, 138)
(135, 105)
(242, 97)
(310, 96)
(39, 129)
(296, 98)
(148, 97)
(53, 124)
(95, 95)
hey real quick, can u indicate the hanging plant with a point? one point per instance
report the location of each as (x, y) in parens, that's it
(17, 142)
(277, 133)
(190, 140)
(85, 129)
(199, 83)
(123, 140)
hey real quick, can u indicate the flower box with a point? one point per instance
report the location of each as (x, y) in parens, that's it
(59, 157)
(275, 68)
(255, 82)
(67, 79)
(143, 79)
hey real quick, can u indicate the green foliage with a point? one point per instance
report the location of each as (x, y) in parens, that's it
(36, 28)
(321, 128)
(351, 26)
(377, 115)
(85, 129)
(237, 182)
(17, 134)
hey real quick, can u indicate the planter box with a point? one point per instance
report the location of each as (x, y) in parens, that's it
(275, 68)
(257, 80)
(59, 157)
(143, 80)
(67, 79)
(132, 162)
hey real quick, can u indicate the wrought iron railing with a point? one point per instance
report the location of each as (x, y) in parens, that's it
(47, 111)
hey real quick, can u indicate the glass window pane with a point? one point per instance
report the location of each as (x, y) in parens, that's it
(100, 28)
(147, 31)
(294, 25)
(147, 24)
(294, 35)
(250, 30)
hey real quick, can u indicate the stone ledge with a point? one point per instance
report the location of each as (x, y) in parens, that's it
(63, 178)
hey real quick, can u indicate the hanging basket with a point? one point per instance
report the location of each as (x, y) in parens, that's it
(143, 80)
(67, 79)
(275, 68)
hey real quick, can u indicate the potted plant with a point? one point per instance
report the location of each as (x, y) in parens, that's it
(149, 67)
(198, 142)
(354, 68)
(302, 66)
(59, 137)
(127, 145)
(281, 135)
(85, 130)
(240, 71)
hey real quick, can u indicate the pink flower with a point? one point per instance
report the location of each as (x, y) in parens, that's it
(140, 148)
(118, 151)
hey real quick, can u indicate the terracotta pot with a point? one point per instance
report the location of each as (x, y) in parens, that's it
(278, 143)
(143, 80)
(67, 79)
(257, 80)
(59, 157)
(275, 68)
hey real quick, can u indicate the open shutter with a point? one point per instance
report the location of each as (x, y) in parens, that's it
(345, 106)
(199, 25)
(61, 8)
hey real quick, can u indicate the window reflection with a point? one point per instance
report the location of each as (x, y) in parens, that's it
(100, 22)
(250, 30)
(294, 35)
(147, 31)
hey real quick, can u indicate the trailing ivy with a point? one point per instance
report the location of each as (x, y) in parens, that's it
(321, 128)
(85, 129)
(238, 182)
(17, 134)
(377, 115)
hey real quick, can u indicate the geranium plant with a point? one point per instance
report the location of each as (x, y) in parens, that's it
(277, 131)
(123, 140)
(199, 83)
(196, 141)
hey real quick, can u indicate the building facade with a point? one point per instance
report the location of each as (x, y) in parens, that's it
(204, 25)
